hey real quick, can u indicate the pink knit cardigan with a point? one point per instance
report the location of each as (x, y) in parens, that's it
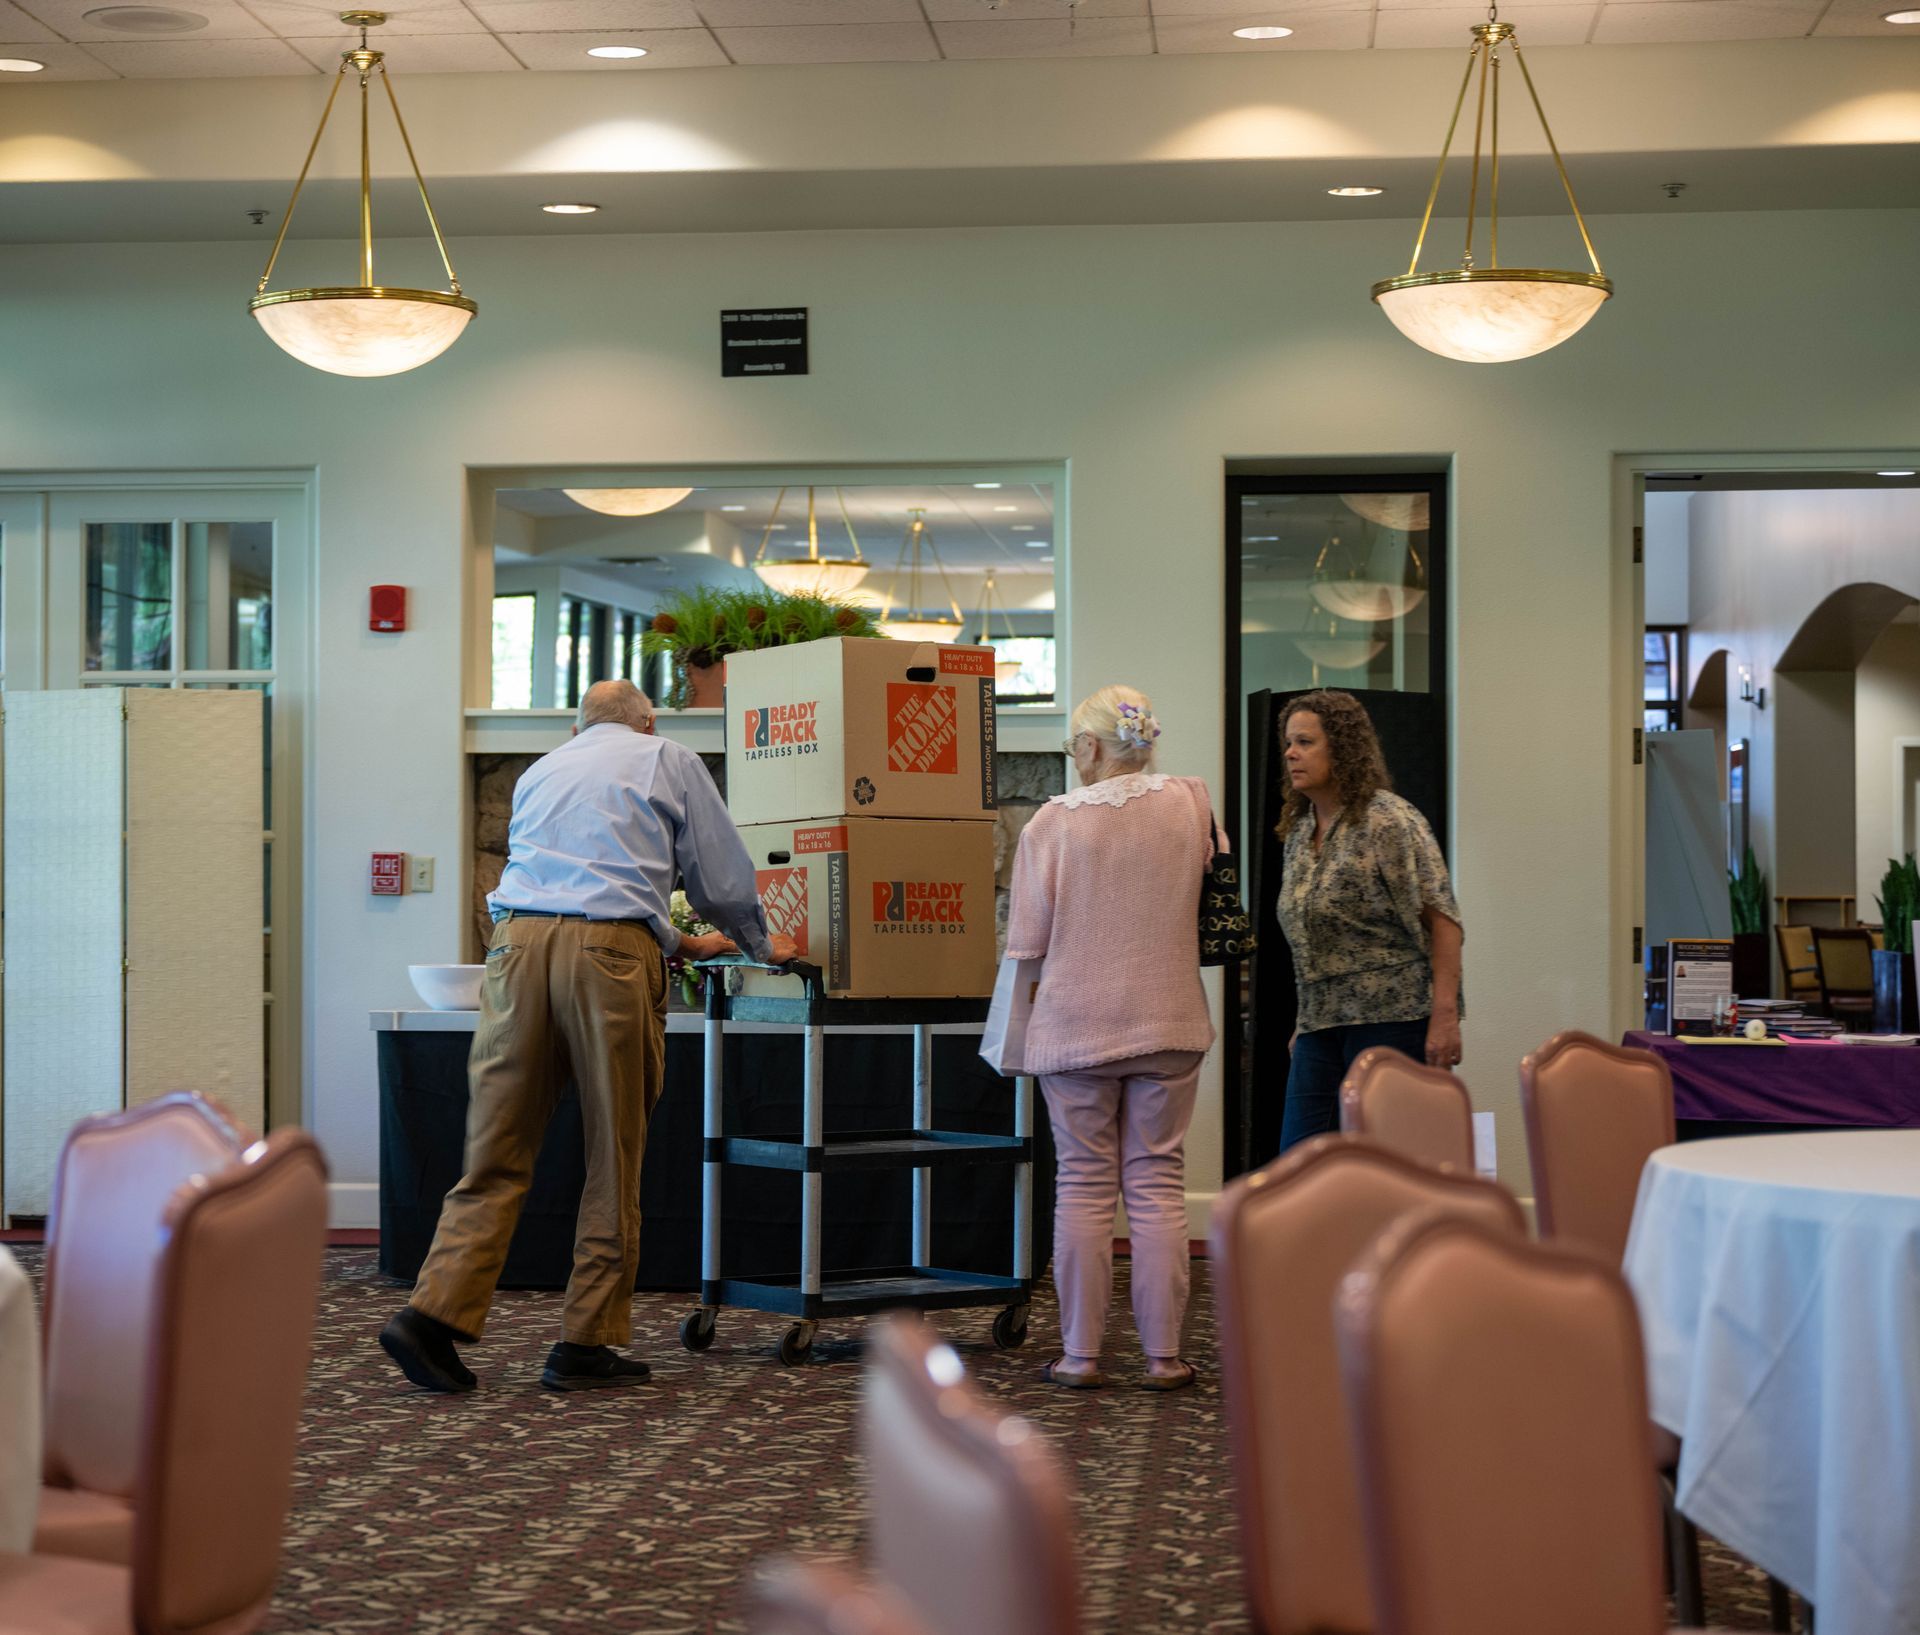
(1106, 889)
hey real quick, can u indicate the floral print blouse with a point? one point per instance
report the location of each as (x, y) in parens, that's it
(1352, 915)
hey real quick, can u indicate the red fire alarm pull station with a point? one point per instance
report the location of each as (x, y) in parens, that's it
(387, 608)
(389, 874)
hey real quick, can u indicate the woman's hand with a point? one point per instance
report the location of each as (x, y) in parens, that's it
(1443, 1040)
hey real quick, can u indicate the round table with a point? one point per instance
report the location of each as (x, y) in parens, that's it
(1778, 1279)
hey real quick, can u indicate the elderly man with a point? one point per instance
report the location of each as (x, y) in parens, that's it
(575, 978)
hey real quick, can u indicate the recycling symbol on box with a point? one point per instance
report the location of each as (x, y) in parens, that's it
(863, 791)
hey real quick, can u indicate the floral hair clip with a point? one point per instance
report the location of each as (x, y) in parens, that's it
(1136, 728)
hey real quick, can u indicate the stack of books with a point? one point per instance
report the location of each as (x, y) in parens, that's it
(1789, 1019)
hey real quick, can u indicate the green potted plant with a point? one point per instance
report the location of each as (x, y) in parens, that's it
(698, 628)
(1896, 1003)
(1752, 959)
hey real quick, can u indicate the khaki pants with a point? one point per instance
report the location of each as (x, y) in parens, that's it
(585, 994)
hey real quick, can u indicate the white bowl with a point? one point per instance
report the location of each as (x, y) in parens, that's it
(448, 987)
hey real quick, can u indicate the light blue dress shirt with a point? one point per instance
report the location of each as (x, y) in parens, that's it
(600, 824)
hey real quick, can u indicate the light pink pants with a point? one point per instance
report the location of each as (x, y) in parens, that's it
(1120, 1130)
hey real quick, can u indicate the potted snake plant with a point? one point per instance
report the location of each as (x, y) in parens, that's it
(1896, 1003)
(1752, 958)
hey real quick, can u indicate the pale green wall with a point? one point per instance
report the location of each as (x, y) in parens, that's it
(1143, 357)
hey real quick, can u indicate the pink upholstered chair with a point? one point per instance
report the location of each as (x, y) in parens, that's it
(970, 1521)
(808, 1598)
(1421, 1111)
(1283, 1237)
(110, 1188)
(1594, 1113)
(1499, 1407)
(238, 1282)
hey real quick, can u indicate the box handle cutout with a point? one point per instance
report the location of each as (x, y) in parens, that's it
(779, 857)
(920, 672)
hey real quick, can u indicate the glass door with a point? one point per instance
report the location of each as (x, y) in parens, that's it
(1334, 582)
(200, 589)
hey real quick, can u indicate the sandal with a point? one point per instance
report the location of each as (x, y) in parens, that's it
(1072, 1379)
(1170, 1382)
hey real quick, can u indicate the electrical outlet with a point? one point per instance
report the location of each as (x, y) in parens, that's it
(420, 874)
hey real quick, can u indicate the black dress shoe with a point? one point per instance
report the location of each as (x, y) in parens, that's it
(573, 1367)
(423, 1347)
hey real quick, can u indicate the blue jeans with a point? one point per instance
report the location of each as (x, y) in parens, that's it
(1320, 1063)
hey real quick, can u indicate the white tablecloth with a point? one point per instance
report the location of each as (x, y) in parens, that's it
(19, 1406)
(1779, 1286)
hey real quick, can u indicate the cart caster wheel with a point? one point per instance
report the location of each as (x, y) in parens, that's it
(1010, 1328)
(796, 1345)
(697, 1329)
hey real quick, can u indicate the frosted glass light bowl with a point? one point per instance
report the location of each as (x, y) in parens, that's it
(1491, 314)
(448, 987)
(364, 332)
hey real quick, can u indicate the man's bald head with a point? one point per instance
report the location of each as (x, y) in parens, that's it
(618, 702)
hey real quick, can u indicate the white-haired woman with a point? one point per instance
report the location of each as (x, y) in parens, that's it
(1106, 890)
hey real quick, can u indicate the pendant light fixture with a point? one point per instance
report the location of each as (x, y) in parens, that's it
(907, 625)
(1004, 670)
(627, 502)
(364, 328)
(814, 574)
(1357, 596)
(1491, 314)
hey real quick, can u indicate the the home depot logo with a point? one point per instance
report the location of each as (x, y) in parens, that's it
(923, 727)
(920, 907)
(781, 729)
(783, 894)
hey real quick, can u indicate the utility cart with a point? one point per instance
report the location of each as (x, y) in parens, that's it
(810, 1294)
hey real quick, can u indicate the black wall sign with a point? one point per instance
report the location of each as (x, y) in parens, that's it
(764, 341)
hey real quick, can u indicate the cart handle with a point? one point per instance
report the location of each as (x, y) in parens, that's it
(812, 979)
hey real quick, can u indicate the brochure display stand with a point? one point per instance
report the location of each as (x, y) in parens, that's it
(813, 1292)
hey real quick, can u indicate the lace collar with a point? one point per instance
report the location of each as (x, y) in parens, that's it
(1113, 791)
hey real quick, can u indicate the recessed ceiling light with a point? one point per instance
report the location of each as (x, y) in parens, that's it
(1903, 16)
(1355, 192)
(1893, 474)
(570, 209)
(989, 485)
(733, 508)
(779, 528)
(20, 65)
(1261, 33)
(145, 19)
(1021, 527)
(1006, 508)
(617, 53)
(1039, 544)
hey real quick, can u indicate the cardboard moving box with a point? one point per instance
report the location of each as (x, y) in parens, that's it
(896, 908)
(879, 728)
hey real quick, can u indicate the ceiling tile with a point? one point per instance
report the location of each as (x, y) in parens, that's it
(1082, 37)
(665, 48)
(806, 13)
(1548, 24)
(1232, 14)
(199, 59)
(1019, 11)
(424, 54)
(1865, 17)
(558, 16)
(1646, 22)
(63, 61)
(304, 20)
(874, 42)
(225, 21)
(17, 26)
(1312, 31)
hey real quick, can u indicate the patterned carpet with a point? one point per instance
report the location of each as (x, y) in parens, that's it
(520, 1511)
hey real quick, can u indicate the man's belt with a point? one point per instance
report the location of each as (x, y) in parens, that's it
(549, 914)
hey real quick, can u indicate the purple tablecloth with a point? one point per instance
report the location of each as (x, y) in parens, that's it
(1852, 1085)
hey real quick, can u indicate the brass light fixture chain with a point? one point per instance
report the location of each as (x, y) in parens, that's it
(1440, 169)
(813, 529)
(1493, 193)
(433, 221)
(366, 174)
(286, 221)
(1566, 181)
(853, 539)
(1485, 50)
(766, 533)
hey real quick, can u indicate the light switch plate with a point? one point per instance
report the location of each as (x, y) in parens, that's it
(420, 874)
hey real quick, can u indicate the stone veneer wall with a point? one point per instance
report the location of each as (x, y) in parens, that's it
(1024, 781)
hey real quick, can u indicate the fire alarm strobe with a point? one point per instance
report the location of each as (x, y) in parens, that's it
(387, 607)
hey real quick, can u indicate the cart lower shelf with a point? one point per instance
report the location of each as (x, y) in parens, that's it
(927, 1288)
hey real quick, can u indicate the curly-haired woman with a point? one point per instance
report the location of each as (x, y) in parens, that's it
(1366, 907)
